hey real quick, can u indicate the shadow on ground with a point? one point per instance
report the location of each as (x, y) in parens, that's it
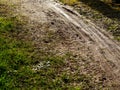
(104, 8)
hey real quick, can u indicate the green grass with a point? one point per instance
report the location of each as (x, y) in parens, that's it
(18, 63)
(13, 58)
(22, 68)
(6, 24)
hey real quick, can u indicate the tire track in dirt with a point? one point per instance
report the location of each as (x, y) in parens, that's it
(111, 51)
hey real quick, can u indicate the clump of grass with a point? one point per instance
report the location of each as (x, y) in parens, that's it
(13, 58)
(6, 24)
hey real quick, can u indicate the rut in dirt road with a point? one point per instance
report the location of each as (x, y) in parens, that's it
(103, 47)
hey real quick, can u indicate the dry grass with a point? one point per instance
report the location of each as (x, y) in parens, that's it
(69, 2)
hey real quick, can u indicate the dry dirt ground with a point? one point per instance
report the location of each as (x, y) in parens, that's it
(60, 30)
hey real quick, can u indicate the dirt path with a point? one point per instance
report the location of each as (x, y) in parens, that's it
(100, 44)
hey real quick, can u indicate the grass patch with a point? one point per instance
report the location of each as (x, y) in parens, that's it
(6, 24)
(13, 58)
(22, 68)
(15, 63)
(69, 2)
